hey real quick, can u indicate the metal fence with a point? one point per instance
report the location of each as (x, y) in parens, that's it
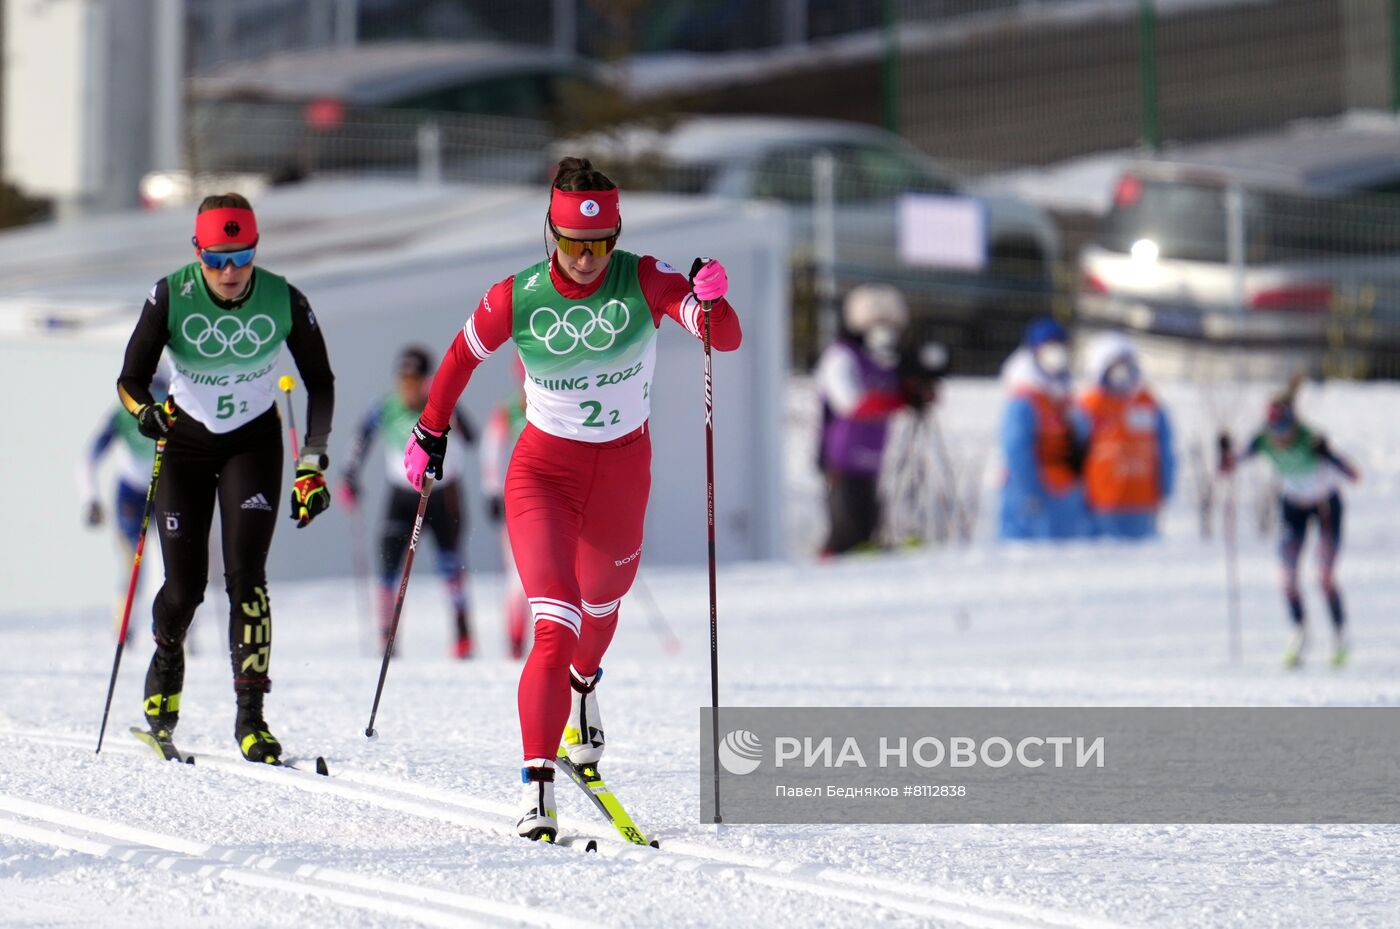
(287, 141)
(1036, 84)
(222, 31)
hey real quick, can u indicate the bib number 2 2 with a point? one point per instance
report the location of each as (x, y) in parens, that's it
(595, 414)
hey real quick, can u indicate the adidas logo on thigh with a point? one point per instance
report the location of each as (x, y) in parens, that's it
(257, 502)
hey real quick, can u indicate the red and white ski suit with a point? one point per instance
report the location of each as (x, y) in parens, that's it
(574, 509)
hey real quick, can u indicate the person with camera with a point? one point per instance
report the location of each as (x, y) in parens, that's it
(859, 382)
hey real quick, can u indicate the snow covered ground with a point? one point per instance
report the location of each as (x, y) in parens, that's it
(411, 829)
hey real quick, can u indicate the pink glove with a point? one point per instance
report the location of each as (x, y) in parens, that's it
(347, 494)
(708, 281)
(423, 454)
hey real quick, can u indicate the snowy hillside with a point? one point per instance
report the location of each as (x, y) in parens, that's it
(413, 829)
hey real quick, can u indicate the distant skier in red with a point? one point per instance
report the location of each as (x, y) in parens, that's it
(584, 321)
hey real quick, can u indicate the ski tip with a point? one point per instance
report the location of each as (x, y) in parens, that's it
(189, 759)
(321, 767)
(655, 843)
(591, 846)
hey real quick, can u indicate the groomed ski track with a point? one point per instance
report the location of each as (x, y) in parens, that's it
(142, 847)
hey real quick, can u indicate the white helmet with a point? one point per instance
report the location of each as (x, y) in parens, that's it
(871, 305)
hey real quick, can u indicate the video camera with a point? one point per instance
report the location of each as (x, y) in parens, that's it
(920, 369)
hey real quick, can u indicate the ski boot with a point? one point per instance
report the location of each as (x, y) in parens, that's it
(250, 729)
(1340, 653)
(538, 820)
(462, 649)
(1293, 654)
(583, 733)
(165, 677)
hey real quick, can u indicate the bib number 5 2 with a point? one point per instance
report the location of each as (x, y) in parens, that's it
(225, 408)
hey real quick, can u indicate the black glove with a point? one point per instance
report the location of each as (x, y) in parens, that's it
(310, 496)
(1078, 455)
(94, 513)
(497, 505)
(155, 420)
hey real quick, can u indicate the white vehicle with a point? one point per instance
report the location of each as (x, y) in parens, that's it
(1286, 242)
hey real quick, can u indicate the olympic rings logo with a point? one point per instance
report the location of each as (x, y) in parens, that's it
(242, 339)
(596, 330)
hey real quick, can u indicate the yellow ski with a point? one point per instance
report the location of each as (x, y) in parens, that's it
(591, 783)
(162, 746)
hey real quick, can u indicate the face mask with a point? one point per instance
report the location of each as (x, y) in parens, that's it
(881, 341)
(1052, 358)
(1121, 376)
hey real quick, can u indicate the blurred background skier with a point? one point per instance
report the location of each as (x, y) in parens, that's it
(446, 518)
(858, 381)
(1129, 467)
(1310, 474)
(1043, 440)
(502, 430)
(133, 455)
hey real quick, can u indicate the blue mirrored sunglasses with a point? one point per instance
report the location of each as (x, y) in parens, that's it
(217, 260)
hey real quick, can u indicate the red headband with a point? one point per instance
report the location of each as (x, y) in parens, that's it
(584, 209)
(225, 226)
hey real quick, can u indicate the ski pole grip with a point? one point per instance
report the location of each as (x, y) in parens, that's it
(286, 382)
(694, 270)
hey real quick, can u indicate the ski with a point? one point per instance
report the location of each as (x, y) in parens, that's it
(297, 764)
(294, 764)
(591, 783)
(165, 748)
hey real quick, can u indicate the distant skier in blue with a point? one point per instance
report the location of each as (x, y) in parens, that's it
(1310, 473)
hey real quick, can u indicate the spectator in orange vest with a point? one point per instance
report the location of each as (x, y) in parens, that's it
(1129, 468)
(1042, 440)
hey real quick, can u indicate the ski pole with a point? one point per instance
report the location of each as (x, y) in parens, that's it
(131, 587)
(398, 604)
(359, 562)
(670, 642)
(710, 516)
(1229, 530)
(288, 383)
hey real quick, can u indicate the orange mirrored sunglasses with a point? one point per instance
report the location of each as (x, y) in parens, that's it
(576, 247)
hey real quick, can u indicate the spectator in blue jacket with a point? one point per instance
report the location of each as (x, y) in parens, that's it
(1043, 440)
